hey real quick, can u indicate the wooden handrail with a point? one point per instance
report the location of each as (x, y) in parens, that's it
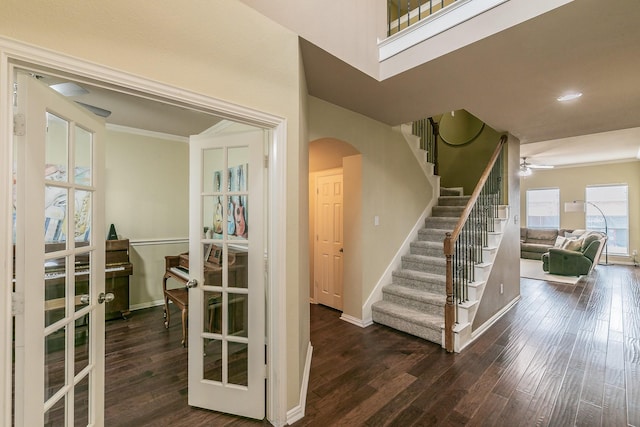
(449, 246)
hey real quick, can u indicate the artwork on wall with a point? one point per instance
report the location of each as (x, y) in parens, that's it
(236, 222)
(55, 208)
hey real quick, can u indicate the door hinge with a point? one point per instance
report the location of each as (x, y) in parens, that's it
(266, 371)
(19, 124)
(266, 162)
(15, 94)
(17, 303)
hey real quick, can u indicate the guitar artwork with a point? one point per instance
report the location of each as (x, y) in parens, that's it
(231, 224)
(241, 224)
(239, 212)
(217, 216)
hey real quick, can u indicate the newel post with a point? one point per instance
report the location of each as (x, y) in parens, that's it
(449, 308)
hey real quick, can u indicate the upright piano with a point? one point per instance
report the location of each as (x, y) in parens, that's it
(118, 268)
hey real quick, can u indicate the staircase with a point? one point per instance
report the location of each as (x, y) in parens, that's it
(414, 301)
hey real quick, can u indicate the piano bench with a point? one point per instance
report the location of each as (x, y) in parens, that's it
(180, 297)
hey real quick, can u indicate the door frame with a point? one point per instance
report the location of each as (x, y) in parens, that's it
(35, 58)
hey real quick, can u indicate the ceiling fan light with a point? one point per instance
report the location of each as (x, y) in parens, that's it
(569, 96)
(524, 171)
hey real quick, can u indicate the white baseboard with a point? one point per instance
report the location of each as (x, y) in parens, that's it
(297, 413)
(355, 321)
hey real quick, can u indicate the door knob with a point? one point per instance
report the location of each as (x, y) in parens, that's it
(84, 299)
(192, 283)
(102, 298)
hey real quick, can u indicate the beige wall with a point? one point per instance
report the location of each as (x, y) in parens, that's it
(355, 26)
(393, 187)
(572, 182)
(461, 166)
(222, 49)
(506, 265)
(147, 198)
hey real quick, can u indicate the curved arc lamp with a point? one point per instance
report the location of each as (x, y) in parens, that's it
(581, 206)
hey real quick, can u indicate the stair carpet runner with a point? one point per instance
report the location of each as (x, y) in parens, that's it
(414, 301)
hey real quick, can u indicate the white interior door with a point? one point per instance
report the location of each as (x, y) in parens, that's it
(226, 261)
(328, 265)
(59, 251)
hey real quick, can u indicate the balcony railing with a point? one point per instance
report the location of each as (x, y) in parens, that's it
(403, 13)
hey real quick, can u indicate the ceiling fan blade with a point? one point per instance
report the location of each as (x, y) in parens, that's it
(539, 166)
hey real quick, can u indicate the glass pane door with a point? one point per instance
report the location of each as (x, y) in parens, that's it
(59, 251)
(226, 310)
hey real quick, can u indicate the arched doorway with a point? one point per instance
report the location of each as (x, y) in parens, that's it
(334, 222)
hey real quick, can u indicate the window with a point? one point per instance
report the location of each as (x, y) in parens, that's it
(613, 201)
(543, 208)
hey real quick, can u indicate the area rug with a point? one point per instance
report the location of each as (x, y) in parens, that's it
(532, 269)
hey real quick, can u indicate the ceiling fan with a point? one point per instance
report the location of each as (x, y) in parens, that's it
(71, 89)
(526, 167)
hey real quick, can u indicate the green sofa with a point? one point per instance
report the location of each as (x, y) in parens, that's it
(575, 261)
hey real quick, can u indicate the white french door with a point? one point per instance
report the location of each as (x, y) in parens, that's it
(227, 367)
(59, 252)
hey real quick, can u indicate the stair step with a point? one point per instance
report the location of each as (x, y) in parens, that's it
(427, 248)
(441, 222)
(433, 234)
(450, 191)
(423, 325)
(427, 264)
(422, 301)
(420, 280)
(447, 211)
(453, 200)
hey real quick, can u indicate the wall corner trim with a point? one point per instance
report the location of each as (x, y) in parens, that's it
(297, 413)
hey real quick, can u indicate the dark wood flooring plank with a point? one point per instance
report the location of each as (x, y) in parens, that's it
(566, 406)
(588, 414)
(614, 407)
(564, 355)
(489, 413)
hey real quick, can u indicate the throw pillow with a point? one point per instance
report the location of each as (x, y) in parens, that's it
(559, 242)
(572, 244)
(574, 235)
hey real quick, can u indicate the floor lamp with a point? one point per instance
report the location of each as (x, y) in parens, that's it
(581, 206)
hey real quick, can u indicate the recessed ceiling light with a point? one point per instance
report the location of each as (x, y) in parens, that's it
(569, 96)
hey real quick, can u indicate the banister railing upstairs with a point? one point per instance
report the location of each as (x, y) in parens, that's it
(403, 13)
(428, 131)
(463, 246)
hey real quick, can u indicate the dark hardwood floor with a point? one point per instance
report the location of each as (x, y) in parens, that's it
(564, 355)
